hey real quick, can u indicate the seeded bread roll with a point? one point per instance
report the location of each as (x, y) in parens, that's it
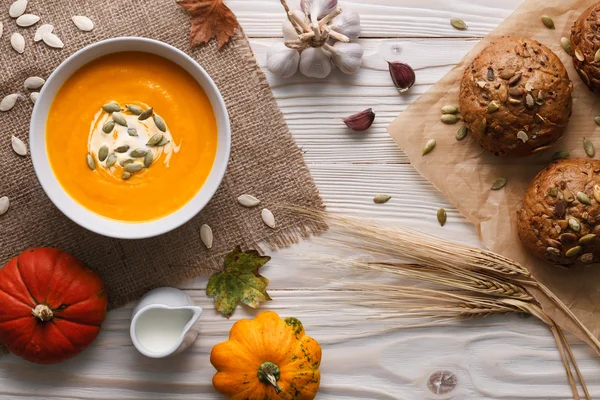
(560, 216)
(515, 97)
(585, 42)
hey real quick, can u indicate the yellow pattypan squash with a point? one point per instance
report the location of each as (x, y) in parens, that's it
(267, 358)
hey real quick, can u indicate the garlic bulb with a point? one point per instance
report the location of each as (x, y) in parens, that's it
(315, 63)
(346, 56)
(317, 9)
(282, 61)
(347, 24)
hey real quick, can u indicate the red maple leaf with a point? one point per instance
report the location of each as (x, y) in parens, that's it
(210, 19)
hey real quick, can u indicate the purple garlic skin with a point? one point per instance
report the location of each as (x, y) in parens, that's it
(360, 121)
(402, 75)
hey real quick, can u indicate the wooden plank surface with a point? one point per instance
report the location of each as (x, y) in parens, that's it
(366, 356)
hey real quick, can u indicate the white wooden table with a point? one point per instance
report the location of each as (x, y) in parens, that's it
(363, 356)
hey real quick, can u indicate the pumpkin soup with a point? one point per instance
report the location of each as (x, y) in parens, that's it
(131, 136)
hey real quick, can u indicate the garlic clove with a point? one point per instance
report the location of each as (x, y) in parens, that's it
(402, 75)
(347, 24)
(282, 61)
(347, 56)
(360, 121)
(315, 63)
(317, 9)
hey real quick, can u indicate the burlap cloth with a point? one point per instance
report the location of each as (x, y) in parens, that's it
(265, 161)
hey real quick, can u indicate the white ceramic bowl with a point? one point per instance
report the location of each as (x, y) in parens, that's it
(80, 214)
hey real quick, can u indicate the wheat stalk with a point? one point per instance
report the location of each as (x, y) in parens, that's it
(463, 281)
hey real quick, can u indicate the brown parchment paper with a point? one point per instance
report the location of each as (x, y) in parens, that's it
(464, 172)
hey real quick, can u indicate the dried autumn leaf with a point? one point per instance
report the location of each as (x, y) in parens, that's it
(240, 282)
(210, 19)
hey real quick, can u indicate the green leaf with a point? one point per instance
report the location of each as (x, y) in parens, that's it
(240, 282)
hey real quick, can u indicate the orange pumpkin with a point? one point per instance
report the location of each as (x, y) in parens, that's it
(52, 305)
(267, 358)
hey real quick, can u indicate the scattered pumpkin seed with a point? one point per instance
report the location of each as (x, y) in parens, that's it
(553, 250)
(148, 158)
(573, 251)
(136, 110)
(597, 193)
(381, 198)
(138, 153)
(18, 146)
(160, 123)
(268, 218)
(462, 132)
(111, 159)
(523, 136)
(146, 114)
(499, 183)
(108, 126)
(119, 118)
(482, 126)
(589, 148)
(83, 23)
(126, 175)
(133, 167)
(102, 153)
(574, 225)
(4, 205)
(586, 258)
(458, 23)
(560, 155)
(492, 107)
(548, 22)
(579, 55)
(553, 192)
(34, 82)
(428, 146)
(584, 198)
(568, 196)
(206, 236)
(566, 45)
(131, 131)
(122, 149)
(248, 201)
(111, 107)
(17, 41)
(17, 8)
(8, 102)
(90, 161)
(587, 238)
(442, 216)
(449, 119)
(123, 163)
(163, 141)
(155, 139)
(449, 110)
(52, 40)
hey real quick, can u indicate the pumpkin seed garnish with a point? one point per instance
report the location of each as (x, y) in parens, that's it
(567, 238)
(529, 100)
(548, 22)
(449, 119)
(553, 250)
(206, 236)
(163, 142)
(597, 56)
(18, 146)
(482, 126)
(462, 132)
(492, 107)
(90, 161)
(160, 123)
(514, 101)
(584, 198)
(126, 175)
(133, 167)
(146, 114)
(156, 138)
(587, 238)
(574, 225)
(442, 216)
(515, 79)
(111, 107)
(507, 74)
(126, 161)
(566, 45)
(4, 205)
(523, 136)
(122, 149)
(586, 258)
(111, 160)
(428, 146)
(132, 131)
(559, 208)
(589, 148)
(148, 158)
(136, 110)
(268, 218)
(449, 110)
(138, 153)
(579, 55)
(381, 198)
(560, 155)
(568, 196)
(597, 120)
(597, 193)
(553, 192)
(108, 126)
(481, 84)
(573, 251)
(102, 153)
(248, 201)
(458, 23)
(499, 183)
(119, 118)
